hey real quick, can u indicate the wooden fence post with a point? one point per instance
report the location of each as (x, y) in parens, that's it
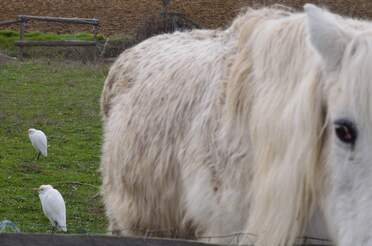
(22, 27)
(95, 40)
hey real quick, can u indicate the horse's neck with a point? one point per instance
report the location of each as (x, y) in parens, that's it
(316, 230)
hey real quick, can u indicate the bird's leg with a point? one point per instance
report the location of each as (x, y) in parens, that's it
(38, 156)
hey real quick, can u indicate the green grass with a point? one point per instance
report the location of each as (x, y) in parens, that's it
(62, 100)
(8, 38)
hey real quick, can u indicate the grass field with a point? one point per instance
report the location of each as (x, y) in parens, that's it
(62, 99)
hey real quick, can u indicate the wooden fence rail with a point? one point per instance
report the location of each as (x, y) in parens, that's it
(94, 22)
(8, 22)
(24, 239)
(55, 43)
(21, 239)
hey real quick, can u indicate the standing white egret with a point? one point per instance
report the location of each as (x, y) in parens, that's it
(39, 141)
(53, 206)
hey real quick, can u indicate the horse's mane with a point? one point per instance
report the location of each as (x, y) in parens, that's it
(277, 91)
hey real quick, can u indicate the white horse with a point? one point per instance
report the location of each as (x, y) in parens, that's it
(249, 129)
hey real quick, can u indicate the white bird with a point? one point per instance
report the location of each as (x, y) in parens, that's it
(38, 141)
(53, 206)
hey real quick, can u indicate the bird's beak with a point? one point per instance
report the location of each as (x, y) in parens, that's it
(35, 190)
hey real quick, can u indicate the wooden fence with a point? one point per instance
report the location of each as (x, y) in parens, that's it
(23, 19)
(23, 239)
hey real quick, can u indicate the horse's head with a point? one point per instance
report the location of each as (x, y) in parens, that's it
(345, 51)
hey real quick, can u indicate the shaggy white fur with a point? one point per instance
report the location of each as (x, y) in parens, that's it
(211, 132)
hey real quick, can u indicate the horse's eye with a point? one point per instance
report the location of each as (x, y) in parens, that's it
(346, 131)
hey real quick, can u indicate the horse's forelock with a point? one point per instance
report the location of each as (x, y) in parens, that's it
(355, 78)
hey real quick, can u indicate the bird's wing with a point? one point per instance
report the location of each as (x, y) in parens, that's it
(33, 142)
(54, 207)
(40, 142)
